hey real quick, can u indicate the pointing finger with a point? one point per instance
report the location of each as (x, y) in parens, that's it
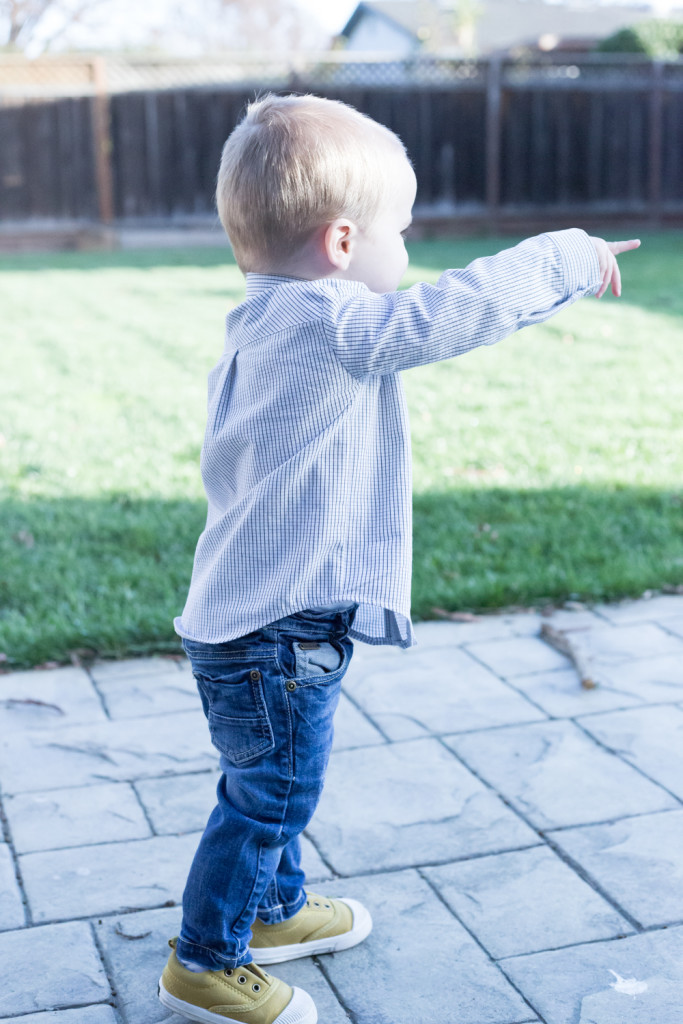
(617, 247)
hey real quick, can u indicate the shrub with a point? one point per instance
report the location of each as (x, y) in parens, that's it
(658, 37)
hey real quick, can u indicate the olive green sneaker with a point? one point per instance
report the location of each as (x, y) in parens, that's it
(239, 995)
(323, 925)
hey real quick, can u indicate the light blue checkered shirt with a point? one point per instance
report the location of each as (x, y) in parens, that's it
(306, 457)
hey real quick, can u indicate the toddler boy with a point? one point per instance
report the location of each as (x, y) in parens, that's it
(307, 545)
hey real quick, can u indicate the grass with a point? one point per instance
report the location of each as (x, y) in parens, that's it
(546, 468)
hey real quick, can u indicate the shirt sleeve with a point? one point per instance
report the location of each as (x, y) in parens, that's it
(480, 305)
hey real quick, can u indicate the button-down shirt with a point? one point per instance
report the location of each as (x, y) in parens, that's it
(306, 458)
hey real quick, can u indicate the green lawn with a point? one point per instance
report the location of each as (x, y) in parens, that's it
(548, 467)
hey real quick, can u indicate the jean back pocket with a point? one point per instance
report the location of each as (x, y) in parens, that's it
(236, 710)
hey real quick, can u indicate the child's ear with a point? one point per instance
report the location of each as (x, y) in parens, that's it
(339, 238)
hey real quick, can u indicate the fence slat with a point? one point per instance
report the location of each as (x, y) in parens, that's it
(655, 147)
(493, 136)
(102, 142)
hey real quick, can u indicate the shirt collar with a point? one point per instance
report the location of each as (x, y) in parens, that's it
(257, 283)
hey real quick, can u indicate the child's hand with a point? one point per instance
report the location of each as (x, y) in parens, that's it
(607, 253)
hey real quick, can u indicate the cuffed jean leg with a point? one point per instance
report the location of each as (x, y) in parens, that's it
(284, 895)
(236, 858)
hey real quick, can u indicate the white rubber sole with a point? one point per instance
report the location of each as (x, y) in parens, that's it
(362, 926)
(300, 1009)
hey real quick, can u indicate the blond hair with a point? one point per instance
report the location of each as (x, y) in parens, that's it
(294, 164)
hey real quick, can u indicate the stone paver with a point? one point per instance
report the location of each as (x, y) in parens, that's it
(650, 738)
(636, 861)
(110, 752)
(136, 948)
(352, 728)
(562, 618)
(554, 775)
(66, 969)
(614, 646)
(637, 980)
(75, 817)
(433, 969)
(179, 803)
(50, 699)
(11, 905)
(408, 803)
(63, 884)
(657, 680)
(100, 1014)
(436, 691)
(517, 657)
(107, 670)
(561, 695)
(659, 608)
(485, 627)
(312, 863)
(512, 834)
(148, 693)
(525, 901)
(673, 625)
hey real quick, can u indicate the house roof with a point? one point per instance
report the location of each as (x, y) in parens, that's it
(412, 16)
(501, 24)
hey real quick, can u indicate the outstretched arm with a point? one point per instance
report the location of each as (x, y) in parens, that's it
(478, 305)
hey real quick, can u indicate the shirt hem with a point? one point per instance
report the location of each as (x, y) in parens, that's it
(382, 641)
(392, 638)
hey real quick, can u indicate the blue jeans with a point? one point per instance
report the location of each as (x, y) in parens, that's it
(270, 698)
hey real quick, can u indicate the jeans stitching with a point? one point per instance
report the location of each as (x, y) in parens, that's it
(290, 722)
(234, 655)
(245, 755)
(250, 897)
(284, 906)
(271, 886)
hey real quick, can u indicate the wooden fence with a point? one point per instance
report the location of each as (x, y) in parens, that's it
(489, 140)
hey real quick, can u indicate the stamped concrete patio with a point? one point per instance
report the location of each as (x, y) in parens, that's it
(518, 839)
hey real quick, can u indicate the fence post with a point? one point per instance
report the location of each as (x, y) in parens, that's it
(102, 141)
(656, 140)
(494, 81)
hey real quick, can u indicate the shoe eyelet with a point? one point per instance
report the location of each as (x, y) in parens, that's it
(256, 988)
(327, 906)
(316, 904)
(228, 972)
(241, 980)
